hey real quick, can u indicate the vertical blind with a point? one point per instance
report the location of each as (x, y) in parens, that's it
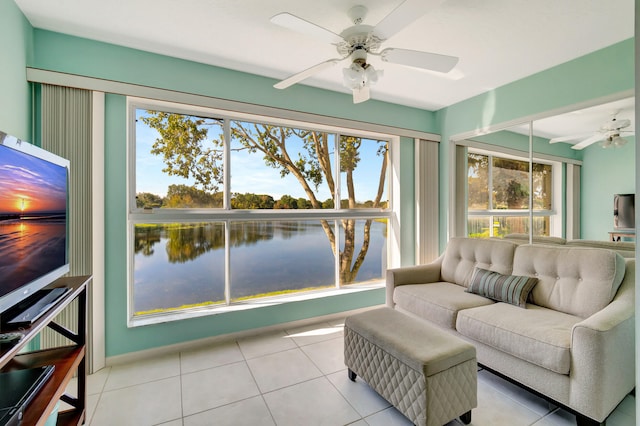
(66, 131)
(427, 202)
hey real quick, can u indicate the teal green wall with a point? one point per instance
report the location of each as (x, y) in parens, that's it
(604, 172)
(73, 55)
(596, 75)
(16, 47)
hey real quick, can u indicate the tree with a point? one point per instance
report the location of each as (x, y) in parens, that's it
(181, 144)
(516, 193)
(147, 200)
(182, 196)
(251, 201)
(478, 181)
(303, 203)
(187, 152)
(286, 202)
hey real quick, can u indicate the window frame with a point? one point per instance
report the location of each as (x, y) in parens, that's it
(554, 214)
(227, 214)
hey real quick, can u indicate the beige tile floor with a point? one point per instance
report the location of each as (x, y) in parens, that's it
(290, 377)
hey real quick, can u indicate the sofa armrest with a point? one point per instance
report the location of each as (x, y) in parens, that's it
(603, 353)
(418, 274)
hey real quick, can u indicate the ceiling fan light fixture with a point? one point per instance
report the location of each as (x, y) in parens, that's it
(372, 75)
(360, 74)
(354, 76)
(618, 141)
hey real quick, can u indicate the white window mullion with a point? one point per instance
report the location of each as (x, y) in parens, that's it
(227, 262)
(338, 176)
(226, 170)
(490, 180)
(336, 230)
(337, 198)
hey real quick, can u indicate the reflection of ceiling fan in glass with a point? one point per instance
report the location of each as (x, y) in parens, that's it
(358, 41)
(610, 133)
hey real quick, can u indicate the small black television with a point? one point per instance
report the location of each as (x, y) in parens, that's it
(34, 204)
(624, 211)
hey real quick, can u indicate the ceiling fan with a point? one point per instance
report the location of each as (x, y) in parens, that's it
(610, 133)
(359, 41)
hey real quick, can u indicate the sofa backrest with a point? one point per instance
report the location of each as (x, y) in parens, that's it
(537, 239)
(464, 254)
(626, 249)
(575, 280)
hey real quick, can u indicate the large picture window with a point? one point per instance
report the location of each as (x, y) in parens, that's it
(499, 192)
(226, 209)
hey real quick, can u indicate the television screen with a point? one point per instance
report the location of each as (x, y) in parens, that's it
(624, 211)
(33, 219)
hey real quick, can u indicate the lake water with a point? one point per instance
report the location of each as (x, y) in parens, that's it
(183, 264)
(29, 248)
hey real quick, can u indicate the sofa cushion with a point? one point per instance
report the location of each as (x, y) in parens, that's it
(574, 280)
(512, 289)
(464, 254)
(538, 335)
(437, 302)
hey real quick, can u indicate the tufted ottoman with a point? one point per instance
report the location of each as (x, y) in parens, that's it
(426, 373)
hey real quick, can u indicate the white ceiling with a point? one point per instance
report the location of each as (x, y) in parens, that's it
(497, 41)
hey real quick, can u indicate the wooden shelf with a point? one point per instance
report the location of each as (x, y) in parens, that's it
(68, 360)
(618, 235)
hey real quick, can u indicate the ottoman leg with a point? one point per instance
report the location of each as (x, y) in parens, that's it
(352, 375)
(466, 417)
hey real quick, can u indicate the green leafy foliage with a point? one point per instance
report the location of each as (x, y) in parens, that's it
(182, 145)
(182, 196)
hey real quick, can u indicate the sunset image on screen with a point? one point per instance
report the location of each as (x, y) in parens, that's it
(33, 217)
(29, 185)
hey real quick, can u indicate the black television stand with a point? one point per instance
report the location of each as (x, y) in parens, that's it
(32, 308)
(68, 357)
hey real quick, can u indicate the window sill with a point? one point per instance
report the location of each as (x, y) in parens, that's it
(250, 304)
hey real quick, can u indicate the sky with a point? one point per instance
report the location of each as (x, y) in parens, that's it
(249, 174)
(29, 184)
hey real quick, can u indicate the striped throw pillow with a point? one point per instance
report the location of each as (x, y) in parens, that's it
(511, 289)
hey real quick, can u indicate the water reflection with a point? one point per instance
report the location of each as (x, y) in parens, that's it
(265, 258)
(29, 248)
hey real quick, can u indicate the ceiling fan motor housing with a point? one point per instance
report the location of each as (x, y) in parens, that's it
(358, 38)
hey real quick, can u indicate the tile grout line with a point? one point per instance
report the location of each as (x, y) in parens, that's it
(264, 401)
(181, 388)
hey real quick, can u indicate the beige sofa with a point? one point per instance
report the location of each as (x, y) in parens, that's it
(573, 342)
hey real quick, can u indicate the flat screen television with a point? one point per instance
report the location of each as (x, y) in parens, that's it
(33, 219)
(624, 211)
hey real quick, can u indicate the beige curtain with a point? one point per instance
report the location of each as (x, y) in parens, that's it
(66, 131)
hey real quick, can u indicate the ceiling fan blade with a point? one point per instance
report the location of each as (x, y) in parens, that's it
(569, 138)
(302, 26)
(589, 141)
(414, 58)
(295, 78)
(403, 15)
(361, 94)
